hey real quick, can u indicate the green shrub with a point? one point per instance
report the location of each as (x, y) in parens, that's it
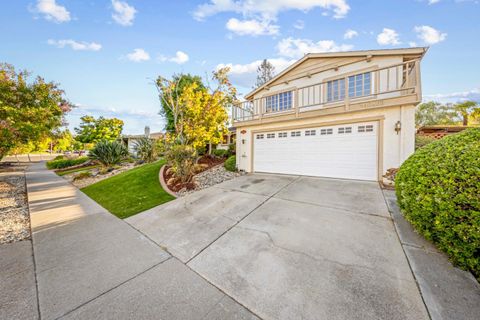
(220, 153)
(65, 163)
(82, 175)
(231, 163)
(60, 157)
(438, 190)
(145, 149)
(421, 141)
(108, 153)
(232, 149)
(182, 160)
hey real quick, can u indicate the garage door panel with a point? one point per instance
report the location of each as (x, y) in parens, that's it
(349, 151)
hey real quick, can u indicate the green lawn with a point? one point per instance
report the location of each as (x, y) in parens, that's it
(130, 192)
(62, 173)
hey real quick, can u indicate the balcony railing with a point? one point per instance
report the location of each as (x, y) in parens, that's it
(387, 82)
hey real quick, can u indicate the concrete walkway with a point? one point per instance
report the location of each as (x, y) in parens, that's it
(259, 246)
(91, 265)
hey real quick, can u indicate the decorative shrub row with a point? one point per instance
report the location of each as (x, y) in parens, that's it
(65, 163)
(220, 153)
(231, 164)
(438, 190)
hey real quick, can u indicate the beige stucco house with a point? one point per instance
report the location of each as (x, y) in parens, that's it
(347, 115)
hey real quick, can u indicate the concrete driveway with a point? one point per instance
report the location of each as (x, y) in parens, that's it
(289, 247)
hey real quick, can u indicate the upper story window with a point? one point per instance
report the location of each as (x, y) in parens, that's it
(359, 85)
(336, 90)
(279, 102)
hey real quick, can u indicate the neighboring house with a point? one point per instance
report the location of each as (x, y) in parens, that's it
(438, 132)
(344, 115)
(130, 140)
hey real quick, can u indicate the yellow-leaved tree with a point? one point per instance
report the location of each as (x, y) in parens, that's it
(199, 115)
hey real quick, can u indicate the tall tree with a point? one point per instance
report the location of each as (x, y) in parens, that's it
(93, 130)
(466, 109)
(29, 110)
(199, 114)
(181, 82)
(434, 113)
(265, 72)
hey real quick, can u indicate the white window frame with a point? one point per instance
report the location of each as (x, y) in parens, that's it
(279, 102)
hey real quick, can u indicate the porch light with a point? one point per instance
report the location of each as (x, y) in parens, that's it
(398, 127)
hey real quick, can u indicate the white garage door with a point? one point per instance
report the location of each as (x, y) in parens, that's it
(342, 151)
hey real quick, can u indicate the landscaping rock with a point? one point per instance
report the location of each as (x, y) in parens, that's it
(210, 177)
(14, 215)
(96, 175)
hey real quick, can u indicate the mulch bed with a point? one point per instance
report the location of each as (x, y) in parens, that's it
(208, 160)
(14, 214)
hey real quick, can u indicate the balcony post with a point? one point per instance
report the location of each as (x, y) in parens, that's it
(346, 97)
(418, 83)
(295, 103)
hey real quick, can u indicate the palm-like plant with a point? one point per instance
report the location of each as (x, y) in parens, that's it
(108, 153)
(145, 149)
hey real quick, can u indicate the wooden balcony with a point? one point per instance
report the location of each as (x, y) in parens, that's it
(391, 85)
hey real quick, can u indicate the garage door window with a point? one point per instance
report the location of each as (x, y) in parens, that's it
(295, 134)
(343, 130)
(259, 136)
(270, 135)
(367, 128)
(326, 131)
(282, 134)
(310, 132)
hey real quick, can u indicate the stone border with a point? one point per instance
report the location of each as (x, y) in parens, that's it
(163, 182)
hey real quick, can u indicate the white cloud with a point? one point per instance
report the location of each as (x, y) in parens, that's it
(412, 44)
(123, 13)
(244, 74)
(269, 9)
(300, 24)
(473, 94)
(138, 55)
(433, 1)
(252, 27)
(53, 11)
(296, 48)
(350, 34)
(429, 35)
(179, 58)
(75, 45)
(388, 37)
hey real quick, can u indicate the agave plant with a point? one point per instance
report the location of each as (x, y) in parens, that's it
(145, 149)
(108, 153)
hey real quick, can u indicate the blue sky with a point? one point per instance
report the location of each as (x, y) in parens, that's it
(105, 54)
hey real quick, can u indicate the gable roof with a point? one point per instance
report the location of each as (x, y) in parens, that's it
(359, 53)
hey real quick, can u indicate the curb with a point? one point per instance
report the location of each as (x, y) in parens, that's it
(163, 183)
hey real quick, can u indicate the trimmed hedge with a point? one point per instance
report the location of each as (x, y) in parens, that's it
(220, 153)
(65, 163)
(231, 163)
(438, 190)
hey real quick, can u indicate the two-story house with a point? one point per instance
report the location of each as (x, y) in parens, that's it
(344, 115)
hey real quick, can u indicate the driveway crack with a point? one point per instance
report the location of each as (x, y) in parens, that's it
(321, 258)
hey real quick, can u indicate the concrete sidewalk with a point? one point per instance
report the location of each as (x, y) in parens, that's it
(90, 264)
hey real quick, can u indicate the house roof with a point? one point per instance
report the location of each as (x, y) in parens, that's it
(152, 135)
(359, 53)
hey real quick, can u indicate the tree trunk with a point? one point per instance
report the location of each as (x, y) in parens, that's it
(465, 120)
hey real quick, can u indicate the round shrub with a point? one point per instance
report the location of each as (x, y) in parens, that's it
(231, 163)
(438, 190)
